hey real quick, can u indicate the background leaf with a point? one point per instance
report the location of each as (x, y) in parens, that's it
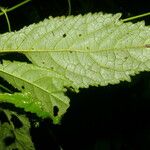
(14, 131)
(42, 89)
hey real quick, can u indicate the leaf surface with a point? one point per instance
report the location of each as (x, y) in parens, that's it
(42, 89)
(94, 49)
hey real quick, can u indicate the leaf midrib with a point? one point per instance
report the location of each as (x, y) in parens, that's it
(73, 50)
(31, 84)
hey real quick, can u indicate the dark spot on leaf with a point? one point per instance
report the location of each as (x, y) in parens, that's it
(22, 87)
(43, 62)
(64, 35)
(53, 33)
(70, 51)
(9, 140)
(80, 35)
(15, 149)
(126, 58)
(55, 110)
(87, 47)
(52, 68)
(147, 45)
(15, 120)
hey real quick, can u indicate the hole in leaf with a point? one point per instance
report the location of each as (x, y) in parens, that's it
(17, 123)
(22, 87)
(55, 110)
(9, 140)
(64, 35)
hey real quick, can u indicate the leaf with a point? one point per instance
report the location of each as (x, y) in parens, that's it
(19, 135)
(93, 49)
(24, 100)
(89, 50)
(42, 89)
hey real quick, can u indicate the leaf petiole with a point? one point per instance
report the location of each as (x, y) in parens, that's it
(136, 17)
(14, 7)
(69, 7)
(7, 19)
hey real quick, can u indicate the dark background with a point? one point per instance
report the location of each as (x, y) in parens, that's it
(115, 117)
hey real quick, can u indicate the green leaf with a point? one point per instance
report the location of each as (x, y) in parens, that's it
(89, 50)
(93, 49)
(20, 135)
(42, 89)
(24, 100)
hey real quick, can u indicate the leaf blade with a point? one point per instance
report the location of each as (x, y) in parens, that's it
(93, 49)
(38, 86)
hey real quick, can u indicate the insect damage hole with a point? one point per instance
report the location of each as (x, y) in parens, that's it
(55, 110)
(64, 35)
(22, 87)
(80, 35)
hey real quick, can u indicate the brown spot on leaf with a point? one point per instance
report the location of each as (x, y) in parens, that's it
(147, 45)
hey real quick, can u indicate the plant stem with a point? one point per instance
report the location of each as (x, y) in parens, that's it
(69, 8)
(136, 17)
(14, 7)
(7, 19)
